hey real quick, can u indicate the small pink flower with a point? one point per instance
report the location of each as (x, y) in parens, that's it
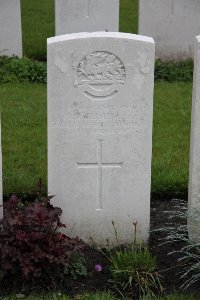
(98, 268)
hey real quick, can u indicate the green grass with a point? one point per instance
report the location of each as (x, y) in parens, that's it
(98, 296)
(133, 270)
(176, 297)
(38, 23)
(25, 136)
(37, 26)
(90, 296)
(128, 16)
(47, 297)
(40, 297)
(173, 297)
(171, 135)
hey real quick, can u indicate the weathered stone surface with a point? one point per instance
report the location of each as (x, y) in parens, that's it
(194, 172)
(173, 24)
(86, 15)
(10, 28)
(100, 101)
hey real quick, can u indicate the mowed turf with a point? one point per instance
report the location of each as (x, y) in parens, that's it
(37, 26)
(24, 130)
(171, 137)
(99, 296)
(38, 23)
(24, 136)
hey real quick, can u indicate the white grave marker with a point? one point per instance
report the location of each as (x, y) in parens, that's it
(86, 15)
(100, 101)
(10, 28)
(173, 24)
(194, 173)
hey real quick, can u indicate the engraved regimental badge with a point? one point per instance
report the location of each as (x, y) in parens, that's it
(100, 75)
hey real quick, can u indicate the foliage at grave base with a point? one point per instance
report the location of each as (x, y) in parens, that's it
(77, 266)
(13, 69)
(97, 296)
(133, 269)
(186, 236)
(33, 253)
(172, 297)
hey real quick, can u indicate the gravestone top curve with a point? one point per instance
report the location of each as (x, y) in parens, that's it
(99, 34)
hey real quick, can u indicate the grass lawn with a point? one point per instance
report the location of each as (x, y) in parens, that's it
(99, 296)
(37, 26)
(171, 137)
(24, 136)
(38, 23)
(45, 297)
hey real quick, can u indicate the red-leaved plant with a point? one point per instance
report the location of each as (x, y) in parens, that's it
(32, 250)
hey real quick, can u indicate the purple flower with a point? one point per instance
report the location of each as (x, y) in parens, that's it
(98, 268)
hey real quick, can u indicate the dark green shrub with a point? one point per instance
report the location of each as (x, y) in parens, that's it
(76, 267)
(13, 69)
(171, 71)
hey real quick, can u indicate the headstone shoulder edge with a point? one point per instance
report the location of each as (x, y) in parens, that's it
(84, 35)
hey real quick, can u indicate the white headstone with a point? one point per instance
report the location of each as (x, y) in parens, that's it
(194, 173)
(173, 24)
(10, 28)
(86, 15)
(1, 185)
(100, 101)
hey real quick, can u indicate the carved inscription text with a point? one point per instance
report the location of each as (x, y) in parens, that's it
(103, 119)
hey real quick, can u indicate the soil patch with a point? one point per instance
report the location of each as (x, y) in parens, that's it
(162, 214)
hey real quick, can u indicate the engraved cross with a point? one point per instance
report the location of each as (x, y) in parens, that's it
(88, 8)
(172, 8)
(99, 165)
